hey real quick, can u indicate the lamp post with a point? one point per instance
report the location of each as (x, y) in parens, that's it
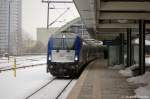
(9, 4)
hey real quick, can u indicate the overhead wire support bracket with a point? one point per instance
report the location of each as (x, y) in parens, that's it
(48, 8)
(58, 17)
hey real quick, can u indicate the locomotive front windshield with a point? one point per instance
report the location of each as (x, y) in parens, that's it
(63, 43)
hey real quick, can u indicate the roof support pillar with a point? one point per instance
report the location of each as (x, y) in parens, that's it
(142, 46)
(121, 48)
(129, 49)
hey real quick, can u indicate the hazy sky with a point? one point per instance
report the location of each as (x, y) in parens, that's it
(34, 15)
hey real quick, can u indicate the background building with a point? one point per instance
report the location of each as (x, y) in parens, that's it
(43, 34)
(10, 26)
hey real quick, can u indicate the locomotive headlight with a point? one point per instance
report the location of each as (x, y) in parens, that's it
(49, 58)
(76, 58)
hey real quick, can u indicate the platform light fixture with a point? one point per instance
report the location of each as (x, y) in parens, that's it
(122, 21)
(49, 58)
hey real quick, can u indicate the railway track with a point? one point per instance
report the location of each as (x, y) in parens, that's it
(40, 88)
(8, 69)
(54, 82)
(57, 97)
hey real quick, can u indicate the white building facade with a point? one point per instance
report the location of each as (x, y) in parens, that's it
(10, 26)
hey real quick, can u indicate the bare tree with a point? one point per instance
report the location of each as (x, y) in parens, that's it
(38, 48)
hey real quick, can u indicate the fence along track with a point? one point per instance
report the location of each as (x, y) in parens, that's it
(34, 59)
(22, 67)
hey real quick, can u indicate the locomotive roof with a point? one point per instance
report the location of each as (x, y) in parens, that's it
(64, 35)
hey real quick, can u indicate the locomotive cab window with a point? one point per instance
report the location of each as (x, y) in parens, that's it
(63, 43)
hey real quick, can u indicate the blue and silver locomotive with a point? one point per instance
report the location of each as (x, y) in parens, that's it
(63, 57)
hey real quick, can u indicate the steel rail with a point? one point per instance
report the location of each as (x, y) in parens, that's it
(63, 89)
(40, 88)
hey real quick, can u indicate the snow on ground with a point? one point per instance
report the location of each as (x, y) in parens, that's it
(136, 41)
(128, 71)
(143, 92)
(133, 67)
(27, 81)
(117, 67)
(147, 61)
(143, 79)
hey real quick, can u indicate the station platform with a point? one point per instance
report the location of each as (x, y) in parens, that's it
(99, 82)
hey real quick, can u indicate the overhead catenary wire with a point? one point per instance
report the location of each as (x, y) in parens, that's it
(56, 1)
(59, 17)
(70, 9)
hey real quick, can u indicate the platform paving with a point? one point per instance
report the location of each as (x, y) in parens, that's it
(99, 82)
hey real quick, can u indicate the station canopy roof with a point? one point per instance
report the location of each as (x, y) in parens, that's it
(104, 18)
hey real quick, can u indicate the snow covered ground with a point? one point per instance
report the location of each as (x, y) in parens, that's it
(143, 91)
(117, 67)
(27, 80)
(128, 71)
(143, 81)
